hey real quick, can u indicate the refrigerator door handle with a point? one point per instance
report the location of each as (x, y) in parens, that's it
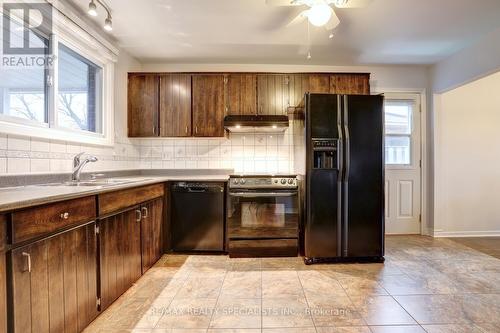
(340, 175)
(345, 197)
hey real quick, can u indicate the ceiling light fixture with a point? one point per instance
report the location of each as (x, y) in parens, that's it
(330, 35)
(319, 14)
(92, 9)
(108, 22)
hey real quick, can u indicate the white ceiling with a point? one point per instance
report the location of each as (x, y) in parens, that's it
(249, 31)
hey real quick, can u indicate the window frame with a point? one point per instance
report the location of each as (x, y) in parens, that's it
(415, 113)
(85, 45)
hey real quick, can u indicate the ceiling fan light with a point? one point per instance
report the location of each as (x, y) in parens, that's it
(319, 14)
(92, 9)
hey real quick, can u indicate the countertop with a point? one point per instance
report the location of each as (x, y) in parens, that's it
(12, 198)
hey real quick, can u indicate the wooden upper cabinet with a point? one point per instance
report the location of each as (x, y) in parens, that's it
(143, 105)
(272, 94)
(350, 84)
(298, 85)
(241, 94)
(319, 83)
(208, 105)
(175, 105)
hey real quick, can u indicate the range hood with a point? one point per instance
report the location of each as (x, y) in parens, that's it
(256, 123)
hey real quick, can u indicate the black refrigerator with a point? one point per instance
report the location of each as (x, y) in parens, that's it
(344, 206)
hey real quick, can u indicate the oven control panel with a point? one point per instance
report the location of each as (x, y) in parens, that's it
(263, 182)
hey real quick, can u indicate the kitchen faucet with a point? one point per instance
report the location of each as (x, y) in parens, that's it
(79, 164)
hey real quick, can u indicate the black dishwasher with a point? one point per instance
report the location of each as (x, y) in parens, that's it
(197, 212)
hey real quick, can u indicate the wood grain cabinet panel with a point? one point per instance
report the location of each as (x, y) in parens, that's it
(241, 94)
(3, 274)
(43, 220)
(272, 94)
(298, 86)
(120, 254)
(319, 83)
(208, 105)
(350, 84)
(143, 105)
(54, 283)
(122, 199)
(175, 105)
(151, 233)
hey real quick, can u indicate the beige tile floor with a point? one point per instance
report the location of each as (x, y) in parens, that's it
(426, 285)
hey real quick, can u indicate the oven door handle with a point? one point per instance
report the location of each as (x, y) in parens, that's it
(262, 194)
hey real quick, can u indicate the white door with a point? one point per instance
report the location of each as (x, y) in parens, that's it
(402, 164)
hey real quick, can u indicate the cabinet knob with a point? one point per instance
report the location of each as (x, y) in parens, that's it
(65, 215)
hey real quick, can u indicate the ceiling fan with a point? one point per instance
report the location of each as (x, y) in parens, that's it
(320, 12)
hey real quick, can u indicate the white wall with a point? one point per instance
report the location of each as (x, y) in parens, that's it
(478, 60)
(467, 160)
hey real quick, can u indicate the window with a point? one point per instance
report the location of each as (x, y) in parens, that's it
(69, 95)
(23, 91)
(398, 130)
(78, 96)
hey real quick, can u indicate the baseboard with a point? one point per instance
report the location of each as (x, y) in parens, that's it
(450, 234)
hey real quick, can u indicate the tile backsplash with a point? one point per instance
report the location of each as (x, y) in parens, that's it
(247, 153)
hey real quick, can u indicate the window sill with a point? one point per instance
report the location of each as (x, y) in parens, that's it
(43, 132)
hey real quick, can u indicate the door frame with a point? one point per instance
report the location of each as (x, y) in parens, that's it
(424, 169)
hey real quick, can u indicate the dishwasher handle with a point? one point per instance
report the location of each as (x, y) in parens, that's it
(197, 188)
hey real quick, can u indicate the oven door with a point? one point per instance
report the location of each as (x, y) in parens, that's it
(262, 214)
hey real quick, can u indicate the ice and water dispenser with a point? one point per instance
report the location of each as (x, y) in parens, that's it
(325, 153)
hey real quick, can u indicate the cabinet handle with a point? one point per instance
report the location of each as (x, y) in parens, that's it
(196, 129)
(186, 129)
(144, 212)
(28, 256)
(138, 216)
(64, 215)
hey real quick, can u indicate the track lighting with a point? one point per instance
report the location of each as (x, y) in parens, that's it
(108, 23)
(92, 9)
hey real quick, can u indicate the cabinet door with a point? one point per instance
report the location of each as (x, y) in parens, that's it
(3, 272)
(175, 105)
(298, 85)
(152, 233)
(3, 294)
(319, 83)
(241, 94)
(350, 84)
(208, 105)
(54, 283)
(120, 254)
(143, 105)
(272, 94)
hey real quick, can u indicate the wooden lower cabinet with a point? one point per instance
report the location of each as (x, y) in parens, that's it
(3, 274)
(151, 233)
(120, 254)
(54, 287)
